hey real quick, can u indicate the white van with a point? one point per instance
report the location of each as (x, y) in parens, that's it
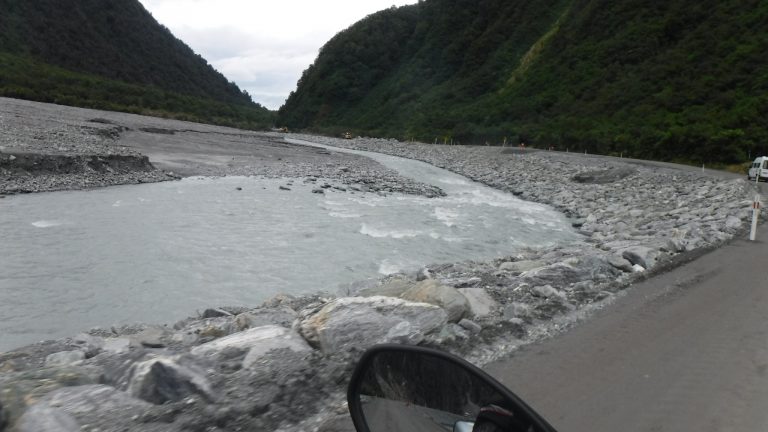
(759, 167)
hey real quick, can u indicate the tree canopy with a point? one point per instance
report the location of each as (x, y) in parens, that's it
(674, 80)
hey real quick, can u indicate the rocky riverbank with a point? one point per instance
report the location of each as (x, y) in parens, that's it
(283, 365)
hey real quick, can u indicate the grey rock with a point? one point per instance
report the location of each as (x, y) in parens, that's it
(451, 334)
(563, 273)
(470, 326)
(151, 337)
(215, 313)
(432, 292)
(43, 418)
(394, 287)
(641, 255)
(480, 303)
(284, 339)
(362, 322)
(549, 292)
(3, 417)
(732, 223)
(92, 403)
(521, 266)
(620, 263)
(280, 315)
(64, 358)
(162, 380)
(90, 345)
(516, 310)
(117, 345)
(210, 328)
(262, 338)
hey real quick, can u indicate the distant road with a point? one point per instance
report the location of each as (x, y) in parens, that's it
(683, 351)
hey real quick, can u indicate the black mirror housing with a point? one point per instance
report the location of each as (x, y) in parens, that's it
(406, 388)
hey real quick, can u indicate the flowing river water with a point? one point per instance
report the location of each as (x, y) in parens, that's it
(158, 252)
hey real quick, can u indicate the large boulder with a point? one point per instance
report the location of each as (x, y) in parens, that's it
(257, 342)
(43, 418)
(641, 255)
(432, 292)
(160, 380)
(360, 322)
(592, 268)
(99, 406)
(64, 358)
(480, 303)
(18, 392)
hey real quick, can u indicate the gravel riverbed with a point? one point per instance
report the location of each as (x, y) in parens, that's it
(283, 365)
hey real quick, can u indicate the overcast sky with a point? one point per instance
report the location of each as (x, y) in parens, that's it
(263, 46)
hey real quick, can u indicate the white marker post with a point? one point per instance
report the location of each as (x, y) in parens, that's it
(755, 214)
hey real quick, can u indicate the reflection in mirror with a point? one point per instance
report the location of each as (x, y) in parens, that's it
(419, 392)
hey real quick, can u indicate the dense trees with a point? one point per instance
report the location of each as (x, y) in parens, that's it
(671, 80)
(112, 54)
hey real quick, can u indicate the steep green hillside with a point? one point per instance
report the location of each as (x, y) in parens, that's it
(675, 80)
(112, 54)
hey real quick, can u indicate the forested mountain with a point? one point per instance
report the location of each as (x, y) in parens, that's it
(674, 80)
(112, 54)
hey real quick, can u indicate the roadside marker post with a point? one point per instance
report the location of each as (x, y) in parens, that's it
(755, 214)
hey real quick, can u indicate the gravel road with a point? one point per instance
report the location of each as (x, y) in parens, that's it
(685, 350)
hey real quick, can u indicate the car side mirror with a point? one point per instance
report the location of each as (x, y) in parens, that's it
(412, 389)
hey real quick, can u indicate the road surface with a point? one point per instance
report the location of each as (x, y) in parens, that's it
(683, 351)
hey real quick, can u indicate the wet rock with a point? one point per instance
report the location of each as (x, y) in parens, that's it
(432, 292)
(480, 303)
(358, 322)
(64, 358)
(162, 380)
(43, 418)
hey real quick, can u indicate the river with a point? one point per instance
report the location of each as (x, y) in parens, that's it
(158, 252)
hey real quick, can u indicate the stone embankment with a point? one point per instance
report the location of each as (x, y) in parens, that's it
(283, 365)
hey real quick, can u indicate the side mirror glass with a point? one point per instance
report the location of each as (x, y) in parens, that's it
(412, 389)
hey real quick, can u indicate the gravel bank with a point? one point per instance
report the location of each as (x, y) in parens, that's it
(269, 367)
(79, 143)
